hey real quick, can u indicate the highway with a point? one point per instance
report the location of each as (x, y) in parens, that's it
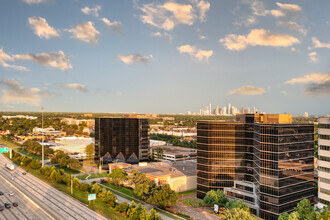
(38, 200)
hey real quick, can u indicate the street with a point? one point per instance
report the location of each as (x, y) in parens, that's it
(38, 200)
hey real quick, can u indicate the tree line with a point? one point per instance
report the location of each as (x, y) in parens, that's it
(144, 188)
(176, 141)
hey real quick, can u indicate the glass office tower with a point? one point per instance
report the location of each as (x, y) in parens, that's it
(123, 138)
(262, 159)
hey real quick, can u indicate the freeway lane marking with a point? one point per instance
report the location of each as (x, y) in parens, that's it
(27, 198)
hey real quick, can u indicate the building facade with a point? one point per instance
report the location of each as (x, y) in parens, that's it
(262, 159)
(324, 162)
(126, 139)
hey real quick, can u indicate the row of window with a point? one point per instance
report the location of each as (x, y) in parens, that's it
(323, 158)
(324, 136)
(325, 202)
(322, 147)
(325, 191)
(324, 180)
(325, 169)
(326, 126)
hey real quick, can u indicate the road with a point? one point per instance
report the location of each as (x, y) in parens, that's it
(37, 199)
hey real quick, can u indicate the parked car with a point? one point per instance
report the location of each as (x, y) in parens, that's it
(7, 205)
(24, 173)
(11, 193)
(1, 193)
(1, 208)
(15, 204)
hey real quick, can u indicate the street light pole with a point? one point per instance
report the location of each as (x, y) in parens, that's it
(42, 137)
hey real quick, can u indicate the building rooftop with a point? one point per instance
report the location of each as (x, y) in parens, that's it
(174, 150)
(157, 169)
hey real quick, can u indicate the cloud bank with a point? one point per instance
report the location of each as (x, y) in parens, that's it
(247, 90)
(41, 28)
(201, 55)
(85, 32)
(134, 58)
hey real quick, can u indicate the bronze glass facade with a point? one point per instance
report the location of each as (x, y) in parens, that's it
(126, 136)
(277, 159)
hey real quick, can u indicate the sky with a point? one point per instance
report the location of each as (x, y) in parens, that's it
(169, 56)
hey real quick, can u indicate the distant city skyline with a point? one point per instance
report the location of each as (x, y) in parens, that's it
(169, 56)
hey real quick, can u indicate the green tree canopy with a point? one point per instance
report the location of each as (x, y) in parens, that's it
(90, 151)
(163, 196)
(215, 197)
(117, 176)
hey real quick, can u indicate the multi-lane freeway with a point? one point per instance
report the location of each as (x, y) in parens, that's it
(36, 199)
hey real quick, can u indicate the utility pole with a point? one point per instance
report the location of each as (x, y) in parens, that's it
(42, 137)
(71, 185)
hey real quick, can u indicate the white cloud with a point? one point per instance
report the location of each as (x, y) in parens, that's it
(310, 78)
(163, 35)
(289, 7)
(54, 59)
(258, 37)
(75, 86)
(116, 25)
(313, 57)
(92, 11)
(318, 44)
(5, 58)
(31, 2)
(316, 83)
(195, 52)
(134, 58)
(16, 93)
(293, 26)
(247, 90)
(41, 27)
(203, 7)
(166, 16)
(202, 37)
(85, 32)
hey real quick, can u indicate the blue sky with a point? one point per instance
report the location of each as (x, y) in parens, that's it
(164, 56)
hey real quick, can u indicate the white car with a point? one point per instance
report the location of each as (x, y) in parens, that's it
(11, 193)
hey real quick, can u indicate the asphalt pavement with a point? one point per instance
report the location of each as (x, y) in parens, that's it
(37, 199)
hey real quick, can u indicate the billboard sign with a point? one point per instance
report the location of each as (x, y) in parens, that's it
(91, 197)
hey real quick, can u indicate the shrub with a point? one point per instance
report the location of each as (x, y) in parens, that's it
(122, 207)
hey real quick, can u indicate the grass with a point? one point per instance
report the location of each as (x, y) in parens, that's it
(82, 177)
(194, 202)
(30, 154)
(124, 190)
(9, 144)
(167, 214)
(187, 192)
(68, 170)
(97, 175)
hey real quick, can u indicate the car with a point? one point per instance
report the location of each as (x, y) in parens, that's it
(7, 205)
(24, 173)
(1, 193)
(1, 208)
(15, 204)
(11, 193)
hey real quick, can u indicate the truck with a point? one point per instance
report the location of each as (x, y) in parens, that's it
(10, 166)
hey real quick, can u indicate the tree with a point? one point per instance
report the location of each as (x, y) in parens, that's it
(58, 155)
(55, 176)
(291, 216)
(323, 213)
(90, 151)
(110, 199)
(84, 187)
(102, 194)
(96, 188)
(35, 164)
(122, 207)
(239, 214)
(66, 178)
(117, 176)
(163, 196)
(153, 215)
(131, 208)
(305, 210)
(215, 197)
(76, 183)
(143, 213)
(238, 204)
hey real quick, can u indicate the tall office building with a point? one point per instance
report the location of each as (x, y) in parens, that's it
(229, 109)
(263, 159)
(324, 162)
(123, 138)
(211, 109)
